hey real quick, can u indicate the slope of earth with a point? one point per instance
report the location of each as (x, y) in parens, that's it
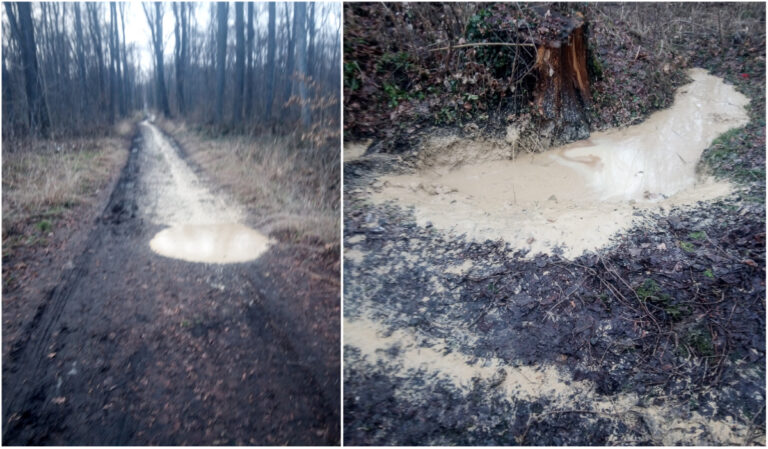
(656, 338)
(152, 350)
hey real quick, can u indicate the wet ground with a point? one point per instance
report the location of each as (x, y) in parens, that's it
(132, 347)
(654, 336)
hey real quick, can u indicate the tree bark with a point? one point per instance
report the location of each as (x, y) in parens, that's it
(237, 104)
(156, 29)
(180, 35)
(221, 56)
(37, 112)
(249, 63)
(80, 43)
(270, 62)
(113, 83)
(562, 91)
(290, 56)
(95, 31)
(300, 32)
(124, 93)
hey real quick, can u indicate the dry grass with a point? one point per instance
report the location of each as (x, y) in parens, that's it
(45, 179)
(291, 189)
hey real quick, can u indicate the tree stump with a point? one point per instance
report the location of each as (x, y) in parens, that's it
(561, 94)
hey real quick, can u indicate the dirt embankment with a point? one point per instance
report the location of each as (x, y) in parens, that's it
(153, 350)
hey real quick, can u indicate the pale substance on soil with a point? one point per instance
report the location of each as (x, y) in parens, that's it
(215, 243)
(668, 424)
(578, 196)
(204, 227)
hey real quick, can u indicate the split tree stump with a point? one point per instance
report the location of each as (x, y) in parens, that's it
(561, 94)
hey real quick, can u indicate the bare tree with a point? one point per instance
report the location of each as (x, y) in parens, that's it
(237, 109)
(270, 62)
(289, 58)
(180, 32)
(249, 62)
(221, 56)
(299, 13)
(23, 29)
(80, 46)
(156, 28)
(95, 32)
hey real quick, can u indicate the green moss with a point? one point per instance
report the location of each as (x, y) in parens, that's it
(650, 288)
(687, 246)
(698, 235)
(700, 341)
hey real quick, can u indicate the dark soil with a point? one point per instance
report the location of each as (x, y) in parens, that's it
(131, 348)
(686, 324)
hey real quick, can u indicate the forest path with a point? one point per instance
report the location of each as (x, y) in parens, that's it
(136, 348)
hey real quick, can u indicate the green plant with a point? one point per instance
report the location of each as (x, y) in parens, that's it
(698, 235)
(687, 246)
(700, 341)
(351, 73)
(44, 225)
(708, 273)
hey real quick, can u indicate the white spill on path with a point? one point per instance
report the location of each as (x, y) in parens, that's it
(669, 424)
(580, 195)
(203, 227)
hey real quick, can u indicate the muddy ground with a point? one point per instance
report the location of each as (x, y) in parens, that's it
(130, 347)
(648, 341)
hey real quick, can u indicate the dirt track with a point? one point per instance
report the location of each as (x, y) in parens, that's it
(135, 348)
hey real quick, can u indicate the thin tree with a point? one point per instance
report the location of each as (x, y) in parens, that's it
(113, 69)
(270, 62)
(237, 104)
(180, 32)
(290, 55)
(80, 46)
(24, 31)
(156, 29)
(222, 9)
(126, 98)
(95, 32)
(300, 15)
(249, 63)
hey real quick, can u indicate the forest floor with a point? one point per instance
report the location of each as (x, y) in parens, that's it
(106, 334)
(657, 338)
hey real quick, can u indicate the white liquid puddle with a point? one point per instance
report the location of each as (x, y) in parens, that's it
(203, 227)
(218, 243)
(578, 196)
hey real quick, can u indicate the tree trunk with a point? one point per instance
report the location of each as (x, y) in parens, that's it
(270, 62)
(290, 55)
(95, 30)
(156, 30)
(221, 56)
(237, 106)
(311, 48)
(562, 91)
(124, 93)
(249, 63)
(37, 112)
(83, 96)
(300, 15)
(179, 34)
(113, 87)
